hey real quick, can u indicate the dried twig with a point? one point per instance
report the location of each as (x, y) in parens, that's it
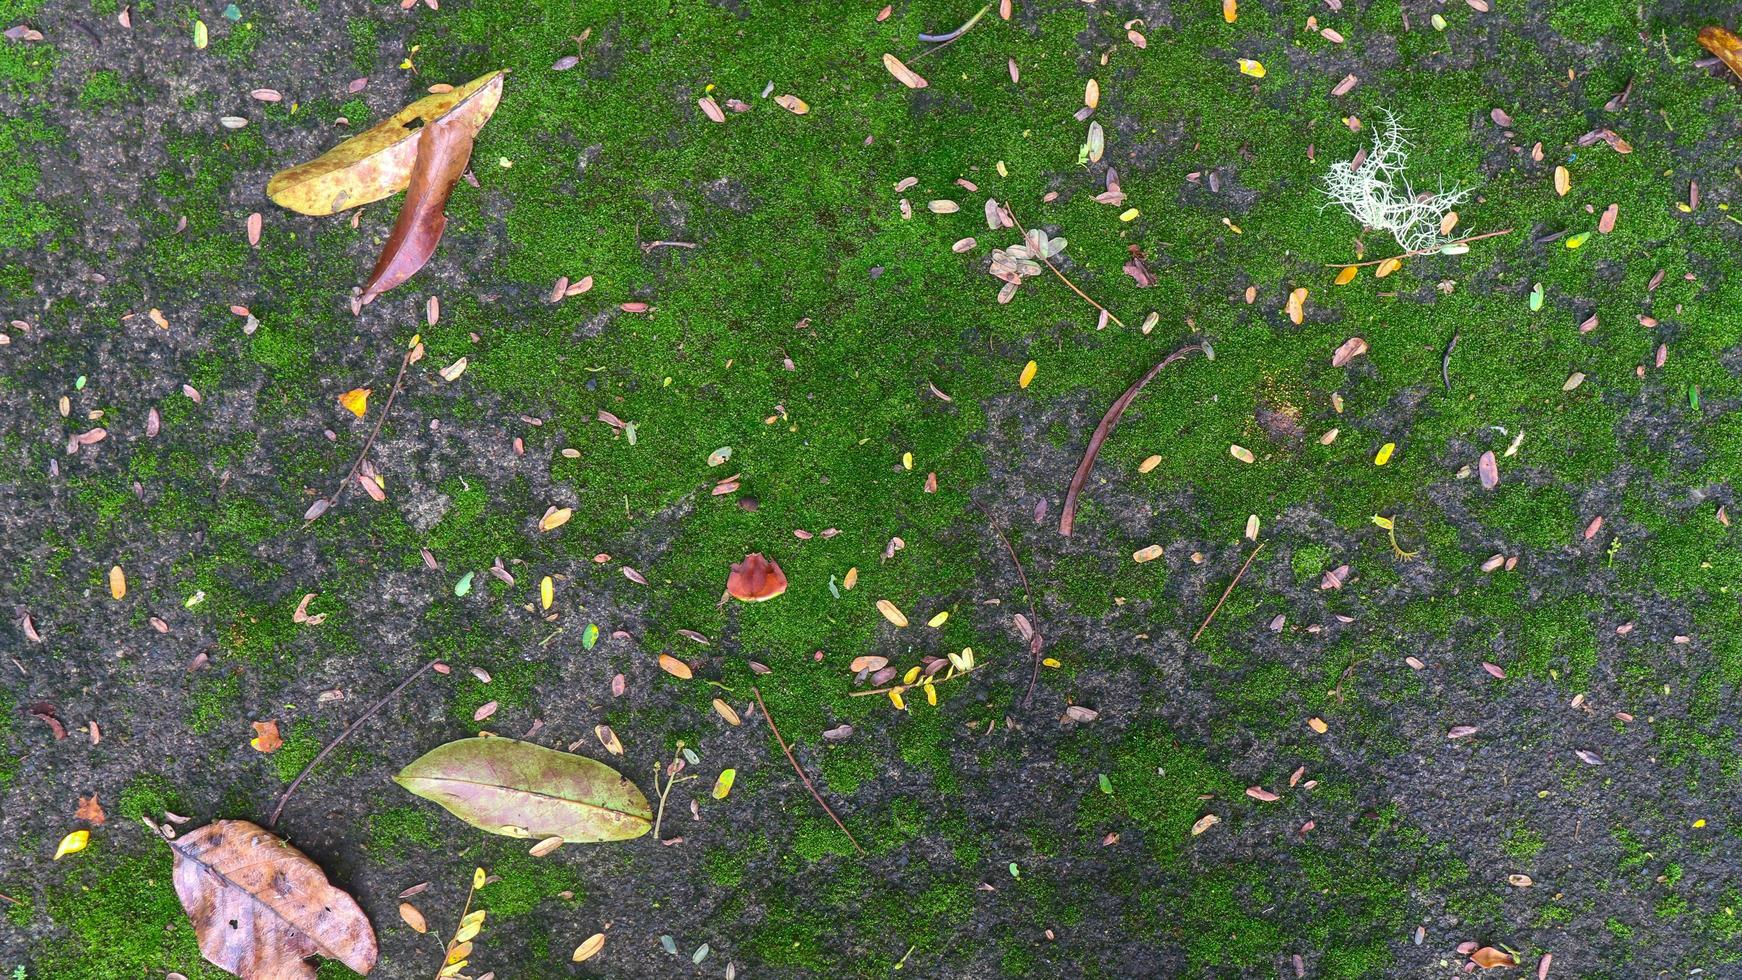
(1034, 642)
(1446, 363)
(647, 247)
(934, 681)
(804, 778)
(332, 499)
(1069, 515)
(1227, 592)
(1056, 272)
(342, 736)
(1422, 251)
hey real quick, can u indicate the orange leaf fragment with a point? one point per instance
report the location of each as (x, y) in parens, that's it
(675, 667)
(266, 740)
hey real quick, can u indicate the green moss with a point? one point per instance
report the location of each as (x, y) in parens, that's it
(845, 767)
(396, 831)
(725, 867)
(147, 795)
(216, 701)
(527, 883)
(1522, 843)
(238, 43)
(122, 921)
(365, 44)
(102, 88)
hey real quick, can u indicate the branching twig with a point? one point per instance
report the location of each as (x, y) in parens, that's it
(1419, 251)
(804, 778)
(647, 247)
(1056, 272)
(342, 736)
(953, 674)
(1227, 592)
(671, 779)
(1034, 642)
(333, 498)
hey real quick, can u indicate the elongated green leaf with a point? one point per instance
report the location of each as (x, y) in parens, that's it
(519, 789)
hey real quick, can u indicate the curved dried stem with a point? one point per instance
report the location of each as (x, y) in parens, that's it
(1056, 272)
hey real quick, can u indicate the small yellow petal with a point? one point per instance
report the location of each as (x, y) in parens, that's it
(1051, 662)
(895, 699)
(72, 843)
(723, 785)
(1250, 67)
(1129, 214)
(546, 592)
(911, 675)
(478, 877)
(1026, 378)
(356, 400)
(891, 612)
(117, 582)
(1384, 454)
(1348, 275)
(1387, 267)
(931, 695)
(938, 620)
(1230, 10)
(907, 461)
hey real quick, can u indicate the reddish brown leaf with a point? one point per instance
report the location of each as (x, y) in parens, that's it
(1488, 956)
(1489, 470)
(442, 155)
(91, 811)
(1068, 514)
(261, 908)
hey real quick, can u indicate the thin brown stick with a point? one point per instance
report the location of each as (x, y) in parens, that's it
(1056, 272)
(1034, 642)
(1068, 515)
(806, 779)
(1228, 591)
(333, 498)
(647, 247)
(934, 681)
(1419, 251)
(282, 800)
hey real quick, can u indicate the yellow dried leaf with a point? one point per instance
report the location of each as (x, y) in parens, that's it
(1384, 455)
(1250, 67)
(1563, 181)
(850, 579)
(891, 612)
(907, 461)
(478, 877)
(1329, 437)
(726, 711)
(1149, 463)
(545, 846)
(546, 592)
(938, 620)
(413, 917)
(895, 699)
(1387, 267)
(1252, 527)
(1092, 94)
(356, 401)
(589, 949)
(72, 843)
(1230, 10)
(1348, 275)
(675, 667)
(1318, 725)
(1052, 662)
(376, 163)
(555, 518)
(1573, 381)
(1029, 370)
(453, 371)
(911, 675)
(723, 785)
(792, 104)
(1448, 222)
(1297, 304)
(1146, 554)
(117, 582)
(931, 694)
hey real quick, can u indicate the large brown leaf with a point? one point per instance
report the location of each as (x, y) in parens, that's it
(519, 789)
(261, 908)
(377, 162)
(442, 155)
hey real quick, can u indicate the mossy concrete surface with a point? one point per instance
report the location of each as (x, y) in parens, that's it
(867, 384)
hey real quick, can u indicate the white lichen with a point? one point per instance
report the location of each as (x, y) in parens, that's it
(1375, 192)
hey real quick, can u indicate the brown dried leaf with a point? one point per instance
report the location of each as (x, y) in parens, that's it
(906, 75)
(91, 811)
(442, 155)
(1488, 957)
(261, 908)
(1725, 44)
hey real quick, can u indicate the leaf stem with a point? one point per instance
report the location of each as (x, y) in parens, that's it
(1419, 251)
(1228, 591)
(671, 779)
(1056, 272)
(282, 800)
(333, 498)
(804, 778)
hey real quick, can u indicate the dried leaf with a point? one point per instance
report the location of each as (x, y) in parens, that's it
(261, 908)
(711, 109)
(1204, 823)
(413, 917)
(266, 739)
(117, 582)
(523, 790)
(442, 155)
(1352, 348)
(1488, 468)
(379, 161)
(590, 948)
(675, 667)
(91, 811)
(73, 843)
(906, 75)
(1297, 304)
(792, 104)
(1725, 44)
(1488, 957)
(554, 518)
(356, 401)
(1563, 181)
(891, 612)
